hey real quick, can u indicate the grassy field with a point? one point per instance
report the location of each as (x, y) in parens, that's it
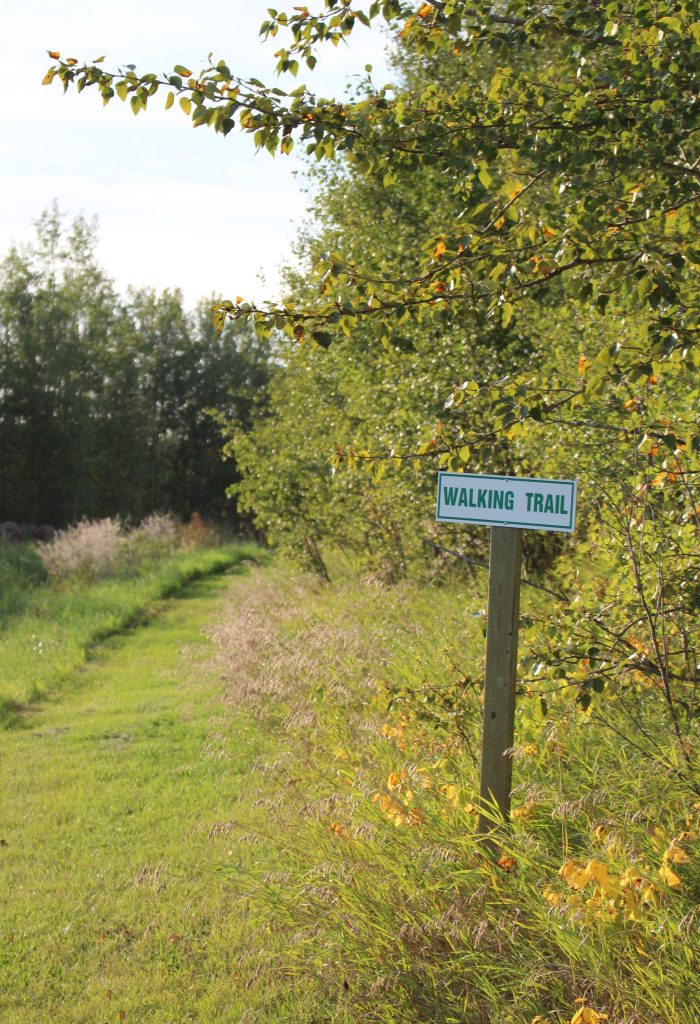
(277, 824)
(47, 629)
(112, 909)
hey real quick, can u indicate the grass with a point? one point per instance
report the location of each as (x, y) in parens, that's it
(109, 813)
(388, 895)
(21, 572)
(56, 625)
(279, 827)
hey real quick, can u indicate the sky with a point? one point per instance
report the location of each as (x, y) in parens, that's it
(176, 206)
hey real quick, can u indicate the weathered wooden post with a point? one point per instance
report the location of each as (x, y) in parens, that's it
(507, 505)
(499, 678)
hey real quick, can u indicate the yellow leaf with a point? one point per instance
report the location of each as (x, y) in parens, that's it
(451, 792)
(633, 904)
(239, 300)
(587, 1015)
(54, 54)
(598, 873)
(553, 898)
(440, 250)
(574, 874)
(393, 781)
(425, 10)
(670, 877)
(499, 223)
(71, 61)
(582, 364)
(674, 855)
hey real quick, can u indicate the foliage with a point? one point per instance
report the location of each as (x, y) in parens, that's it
(89, 550)
(566, 120)
(102, 402)
(21, 570)
(502, 275)
(386, 892)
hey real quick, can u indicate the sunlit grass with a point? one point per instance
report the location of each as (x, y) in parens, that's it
(114, 812)
(388, 891)
(58, 623)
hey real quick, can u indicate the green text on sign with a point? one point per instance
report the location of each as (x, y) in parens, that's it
(517, 501)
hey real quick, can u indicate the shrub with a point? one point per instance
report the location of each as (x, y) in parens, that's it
(90, 549)
(154, 537)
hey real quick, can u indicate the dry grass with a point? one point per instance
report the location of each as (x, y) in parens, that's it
(98, 548)
(91, 549)
(387, 897)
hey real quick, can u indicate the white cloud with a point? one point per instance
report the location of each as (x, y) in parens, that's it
(176, 206)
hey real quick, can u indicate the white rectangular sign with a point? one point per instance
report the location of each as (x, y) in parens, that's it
(517, 501)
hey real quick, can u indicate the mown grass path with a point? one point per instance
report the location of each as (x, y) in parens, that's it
(110, 907)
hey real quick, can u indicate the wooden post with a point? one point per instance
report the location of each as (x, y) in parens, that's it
(501, 661)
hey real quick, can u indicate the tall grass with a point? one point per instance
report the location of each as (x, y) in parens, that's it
(21, 571)
(388, 895)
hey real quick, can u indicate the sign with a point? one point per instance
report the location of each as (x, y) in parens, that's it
(513, 501)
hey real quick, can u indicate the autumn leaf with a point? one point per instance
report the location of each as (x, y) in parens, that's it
(598, 873)
(506, 863)
(54, 54)
(675, 855)
(670, 877)
(451, 791)
(587, 1015)
(582, 364)
(440, 249)
(425, 10)
(574, 874)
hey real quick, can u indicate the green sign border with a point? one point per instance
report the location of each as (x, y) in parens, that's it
(440, 518)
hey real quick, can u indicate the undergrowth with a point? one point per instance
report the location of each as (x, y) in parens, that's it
(388, 897)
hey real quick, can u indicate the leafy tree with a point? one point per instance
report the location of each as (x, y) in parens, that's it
(102, 402)
(537, 166)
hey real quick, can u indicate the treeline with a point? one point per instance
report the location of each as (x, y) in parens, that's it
(104, 399)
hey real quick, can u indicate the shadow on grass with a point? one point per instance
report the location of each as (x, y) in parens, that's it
(13, 715)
